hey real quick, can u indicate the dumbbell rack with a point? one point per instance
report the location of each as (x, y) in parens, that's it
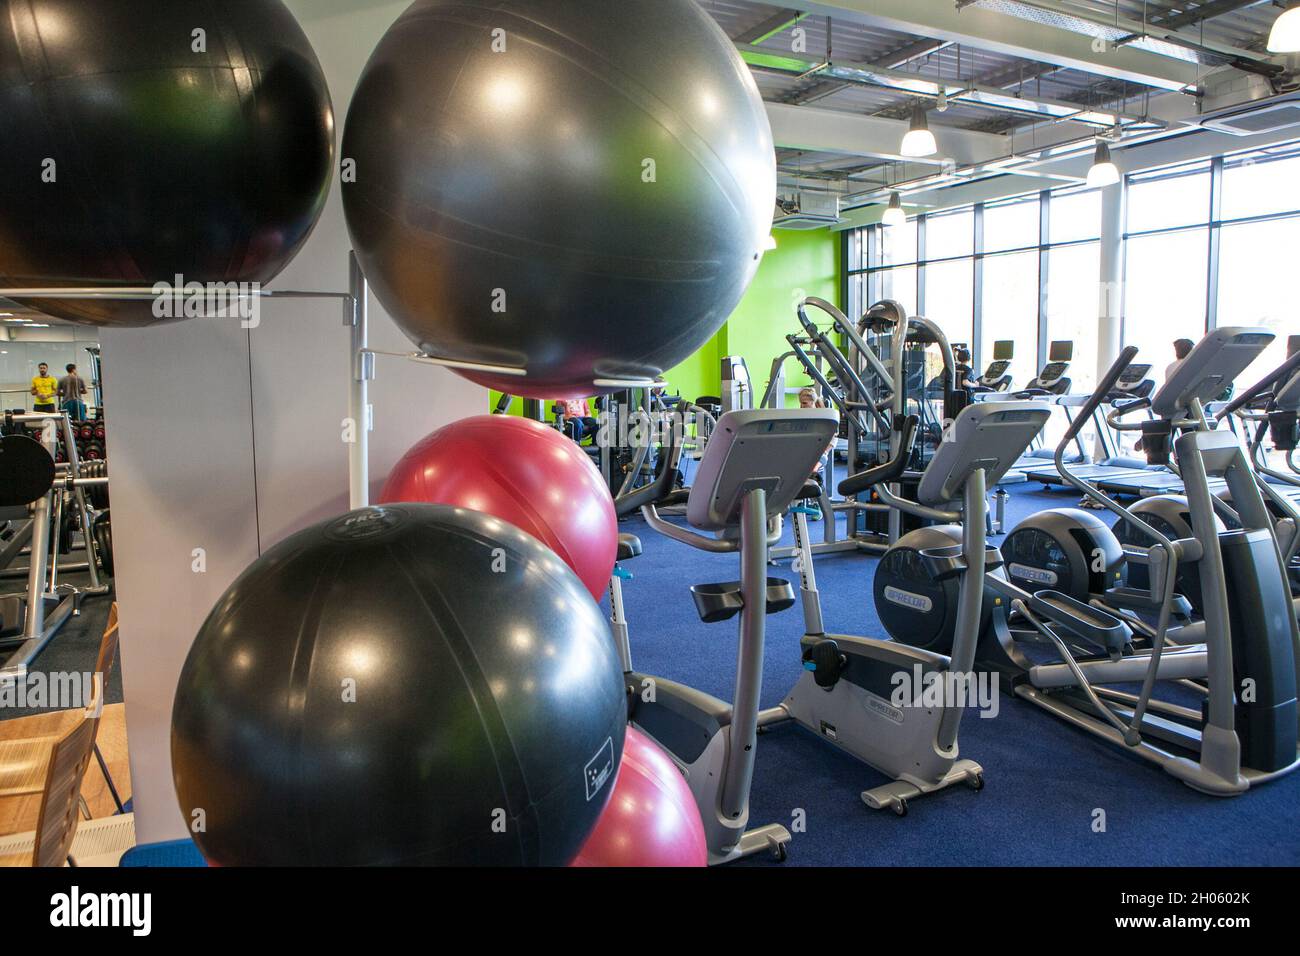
(88, 436)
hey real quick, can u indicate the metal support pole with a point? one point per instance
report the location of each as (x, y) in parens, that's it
(749, 657)
(35, 623)
(363, 370)
(970, 602)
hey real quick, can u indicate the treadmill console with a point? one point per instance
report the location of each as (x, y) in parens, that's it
(1052, 378)
(1133, 383)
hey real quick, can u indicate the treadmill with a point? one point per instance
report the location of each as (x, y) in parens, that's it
(997, 377)
(1132, 384)
(1052, 384)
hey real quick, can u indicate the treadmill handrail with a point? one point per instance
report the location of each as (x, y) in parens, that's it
(1097, 399)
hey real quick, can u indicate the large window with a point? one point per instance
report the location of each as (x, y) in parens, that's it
(1207, 244)
(1164, 294)
(1212, 244)
(1259, 283)
(976, 273)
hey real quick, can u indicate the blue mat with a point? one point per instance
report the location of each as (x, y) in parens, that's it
(177, 853)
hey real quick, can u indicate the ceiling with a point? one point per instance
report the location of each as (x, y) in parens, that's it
(1030, 72)
(1029, 84)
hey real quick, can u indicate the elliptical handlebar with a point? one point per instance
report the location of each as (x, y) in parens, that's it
(889, 471)
(1280, 374)
(632, 501)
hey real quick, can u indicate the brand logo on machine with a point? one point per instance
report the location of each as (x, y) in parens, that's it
(882, 707)
(1038, 575)
(76, 909)
(599, 768)
(917, 602)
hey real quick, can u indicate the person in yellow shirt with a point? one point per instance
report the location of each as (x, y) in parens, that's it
(45, 387)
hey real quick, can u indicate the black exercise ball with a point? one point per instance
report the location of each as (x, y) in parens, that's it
(171, 151)
(501, 207)
(405, 685)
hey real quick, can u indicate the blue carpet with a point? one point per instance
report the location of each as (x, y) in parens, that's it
(1045, 780)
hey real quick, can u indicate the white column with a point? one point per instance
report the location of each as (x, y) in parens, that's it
(1110, 283)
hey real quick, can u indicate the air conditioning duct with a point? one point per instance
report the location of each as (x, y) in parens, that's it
(1253, 119)
(807, 210)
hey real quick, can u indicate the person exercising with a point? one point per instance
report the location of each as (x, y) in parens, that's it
(71, 389)
(1182, 349)
(576, 413)
(46, 388)
(966, 377)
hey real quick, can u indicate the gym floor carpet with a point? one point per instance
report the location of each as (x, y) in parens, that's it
(1044, 779)
(76, 647)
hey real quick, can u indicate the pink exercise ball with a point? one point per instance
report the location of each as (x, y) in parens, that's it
(651, 818)
(522, 472)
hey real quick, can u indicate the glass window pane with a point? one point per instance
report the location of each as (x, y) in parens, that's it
(1075, 216)
(949, 235)
(857, 286)
(855, 246)
(1073, 307)
(898, 243)
(1011, 226)
(1164, 294)
(1260, 285)
(1011, 311)
(949, 297)
(1178, 197)
(898, 284)
(1259, 184)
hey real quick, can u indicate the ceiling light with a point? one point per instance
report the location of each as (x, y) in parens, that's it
(919, 141)
(1285, 35)
(942, 103)
(1104, 172)
(894, 215)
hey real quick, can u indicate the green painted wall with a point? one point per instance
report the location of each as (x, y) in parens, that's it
(803, 264)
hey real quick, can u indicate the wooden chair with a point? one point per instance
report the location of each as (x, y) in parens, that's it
(53, 767)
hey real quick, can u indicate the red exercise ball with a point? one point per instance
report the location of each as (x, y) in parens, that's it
(523, 472)
(651, 818)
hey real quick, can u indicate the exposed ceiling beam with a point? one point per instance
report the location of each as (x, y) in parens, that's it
(1125, 33)
(890, 61)
(958, 91)
(1205, 11)
(912, 52)
(777, 23)
(1015, 37)
(830, 131)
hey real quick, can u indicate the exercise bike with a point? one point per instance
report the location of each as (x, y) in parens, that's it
(853, 692)
(755, 463)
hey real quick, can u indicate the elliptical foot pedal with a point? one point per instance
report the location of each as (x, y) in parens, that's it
(826, 663)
